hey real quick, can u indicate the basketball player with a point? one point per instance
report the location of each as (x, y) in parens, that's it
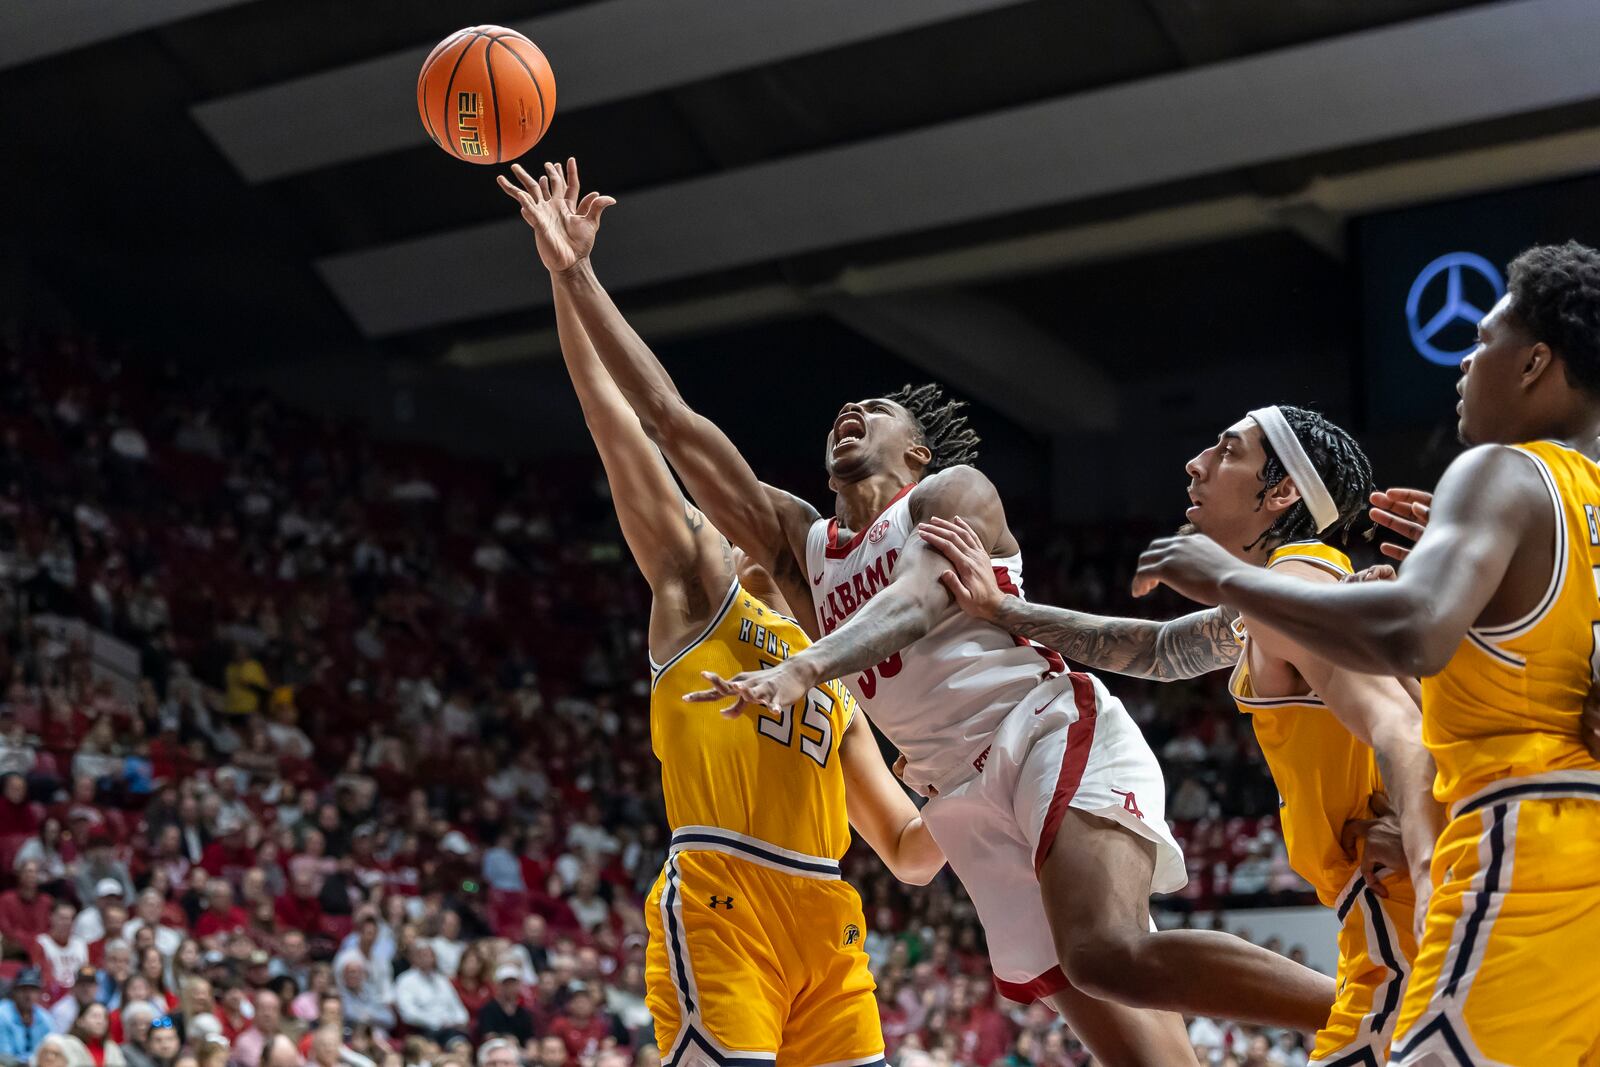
(756, 949)
(1275, 487)
(1496, 609)
(1030, 768)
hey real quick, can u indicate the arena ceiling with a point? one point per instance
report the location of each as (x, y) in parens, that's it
(995, 191)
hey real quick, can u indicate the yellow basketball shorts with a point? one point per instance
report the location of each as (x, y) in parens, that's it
(1376, 949)
(1509, 965)
(757, 958)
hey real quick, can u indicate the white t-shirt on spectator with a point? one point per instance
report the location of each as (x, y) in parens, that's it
(129, 443)
(64, 960)
(428, 1001)
(593, 839)
(448, 954)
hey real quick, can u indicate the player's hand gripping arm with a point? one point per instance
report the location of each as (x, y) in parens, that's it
(909, 606)
(1188, 647)
(666, 535)
(880, 810)
(768, 524)
(1485, 504)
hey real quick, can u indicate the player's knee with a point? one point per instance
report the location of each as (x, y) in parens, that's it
(1107, 966)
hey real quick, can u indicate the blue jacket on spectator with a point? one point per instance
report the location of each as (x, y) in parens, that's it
(18, 1040)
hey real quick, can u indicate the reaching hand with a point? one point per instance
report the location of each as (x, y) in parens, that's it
(563, 226)
(1378, 572)
(775, 688)
(971, 576)
(1192, 564)
(1405, 511)
(1384, 850)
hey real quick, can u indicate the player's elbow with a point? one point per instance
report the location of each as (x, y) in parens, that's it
(664, 415)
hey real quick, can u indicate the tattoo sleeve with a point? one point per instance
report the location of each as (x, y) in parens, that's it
(1165, 651)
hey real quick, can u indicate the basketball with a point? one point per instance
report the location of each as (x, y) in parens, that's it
(486, 94)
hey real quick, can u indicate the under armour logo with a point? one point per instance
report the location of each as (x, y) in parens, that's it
(1129, 804)
(722, 902)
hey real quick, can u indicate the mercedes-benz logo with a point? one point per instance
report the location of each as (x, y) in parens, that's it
(1468, 279)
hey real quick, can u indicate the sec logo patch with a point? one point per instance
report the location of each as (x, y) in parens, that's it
(876, 533)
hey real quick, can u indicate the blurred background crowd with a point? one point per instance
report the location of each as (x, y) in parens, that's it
(371, 780)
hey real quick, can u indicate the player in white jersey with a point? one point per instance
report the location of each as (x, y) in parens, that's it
(1046, 799)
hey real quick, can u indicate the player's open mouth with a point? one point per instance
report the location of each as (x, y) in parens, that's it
(849, 427)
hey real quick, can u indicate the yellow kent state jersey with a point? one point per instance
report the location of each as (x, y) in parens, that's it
(1508, 703)
(1323, 773)
(772, 777)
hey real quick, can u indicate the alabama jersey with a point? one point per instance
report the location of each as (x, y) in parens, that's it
(941, 699)
(757, 946)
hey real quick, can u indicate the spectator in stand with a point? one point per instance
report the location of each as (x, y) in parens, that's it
(299, 909)
(87, 1042)
(473, 982)
(307, 1007)
(221, 916)
(552, 1052)
(502, 871)
(506, 1014)
(52, 1052)
(233, 1009)
(23, 1023)
(58, 952)
(17, 816)
(153, 966)
(281, 1052)
(267, 1025)
(498, 1052)
(148, 912)
(115, 969)
(534, 946)
(361, 1000)
(85, 991)
(581, 1026)
(44, 848)
(447, 944)
(626, 1003)
(425, 1000)
(90, 923)
(374, 947)
(99, 866)
(135, 1040)
(293, 959)
(247, 684)
(24, 911)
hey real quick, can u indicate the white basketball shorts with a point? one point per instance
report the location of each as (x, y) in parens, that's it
(1070, 744)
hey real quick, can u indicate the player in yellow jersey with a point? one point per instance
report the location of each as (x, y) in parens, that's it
(756, 951)
(1274, 482)
(1497, 609)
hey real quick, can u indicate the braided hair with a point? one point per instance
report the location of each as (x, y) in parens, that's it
(1555, 293)
(940, 425)
(1338, 461)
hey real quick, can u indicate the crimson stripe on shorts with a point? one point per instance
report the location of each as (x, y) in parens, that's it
(1080, 738)
(1047, 984)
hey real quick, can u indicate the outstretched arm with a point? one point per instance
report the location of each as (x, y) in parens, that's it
(1188, 647)
(1486, 504)
(667, 536)
(768, 524)
(880, 810)
(909, 606)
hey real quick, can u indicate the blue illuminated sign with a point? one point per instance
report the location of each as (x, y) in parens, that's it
(1432, 308)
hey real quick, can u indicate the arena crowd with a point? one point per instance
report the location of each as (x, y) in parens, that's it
(376, 786)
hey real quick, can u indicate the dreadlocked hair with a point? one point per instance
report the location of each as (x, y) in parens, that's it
(1344, 469)
(940, 425)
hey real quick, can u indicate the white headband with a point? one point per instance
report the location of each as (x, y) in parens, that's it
(1324, 512)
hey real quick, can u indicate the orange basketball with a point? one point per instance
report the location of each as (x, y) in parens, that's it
(486, 94)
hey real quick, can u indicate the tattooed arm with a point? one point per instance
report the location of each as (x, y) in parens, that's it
(1182, 648)
(1165, 651)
